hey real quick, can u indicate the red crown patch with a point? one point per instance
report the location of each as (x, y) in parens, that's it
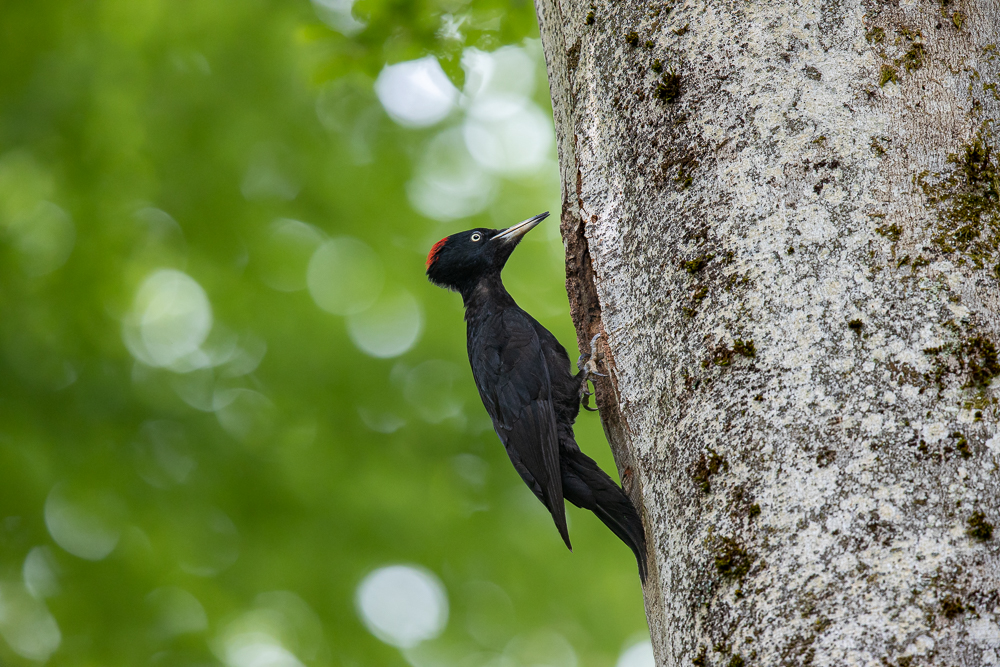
(433, 254)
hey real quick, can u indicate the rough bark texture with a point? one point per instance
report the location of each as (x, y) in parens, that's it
(784, 217)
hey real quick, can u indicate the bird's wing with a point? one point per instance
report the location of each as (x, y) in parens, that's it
(513, 380)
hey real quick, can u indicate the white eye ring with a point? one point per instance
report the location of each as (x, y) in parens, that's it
(476, 236)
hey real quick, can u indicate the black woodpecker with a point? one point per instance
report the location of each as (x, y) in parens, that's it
(523, 376)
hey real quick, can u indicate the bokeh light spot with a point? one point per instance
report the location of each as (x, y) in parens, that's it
(337, 14)
(170, 319)
(23, 183)
(271, 174)
(26, 624)
(349, 108)
(471, 468)
(449, 183)
(84, 522)
(160, 239)
(41, 232)
(345, 276)
(285, 254)
(416, 93)
(508, 72)
(177, 611)
(380, 421)
(256, 650)
(196, 388)
(505, 131)
(544, 647)
(514, 144)
(430, 389)
(162, 455)
(245, 358)
(39, 573)
(245, 414)
(637, 655)
(278, 630)
(389, 328)
(402, 605)
(44, 238)
(490, 614)
(211, 541)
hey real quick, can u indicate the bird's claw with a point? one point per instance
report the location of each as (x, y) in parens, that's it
(587, 363)
(588, 360)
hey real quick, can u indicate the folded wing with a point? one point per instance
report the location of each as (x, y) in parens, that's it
(514, 383)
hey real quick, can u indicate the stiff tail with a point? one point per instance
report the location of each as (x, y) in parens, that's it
(558, 512)
(563, 530)
(551, 496)
(587, 486)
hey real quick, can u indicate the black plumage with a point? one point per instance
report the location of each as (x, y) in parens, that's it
(523, 376)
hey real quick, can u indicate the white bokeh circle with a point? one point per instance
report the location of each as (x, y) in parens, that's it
(402, 605)
(389, 328)
(170, 319)
(637, 655)
(345, 276)
(416, 93)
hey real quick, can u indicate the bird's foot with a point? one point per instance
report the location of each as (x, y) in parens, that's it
(587, 363)
(588, 360)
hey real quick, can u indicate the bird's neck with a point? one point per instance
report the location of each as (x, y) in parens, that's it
(485, 296)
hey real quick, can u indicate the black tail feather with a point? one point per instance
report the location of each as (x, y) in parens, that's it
(587, 486)
(559, 516)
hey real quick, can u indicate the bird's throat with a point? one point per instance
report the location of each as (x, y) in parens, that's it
(485, 297)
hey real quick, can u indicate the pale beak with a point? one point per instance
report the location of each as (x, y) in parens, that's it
(520, 229)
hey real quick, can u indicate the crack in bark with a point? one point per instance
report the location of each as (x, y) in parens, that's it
(585, 309)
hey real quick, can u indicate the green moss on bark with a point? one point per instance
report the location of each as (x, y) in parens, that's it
(705, 467)
(732, 560)
(967, 202)
(979, 528)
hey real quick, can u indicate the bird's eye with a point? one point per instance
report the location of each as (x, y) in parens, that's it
(477, 236)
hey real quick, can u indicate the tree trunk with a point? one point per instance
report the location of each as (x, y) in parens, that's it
(784, 218)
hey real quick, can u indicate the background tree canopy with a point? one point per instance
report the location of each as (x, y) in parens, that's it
(237, 425)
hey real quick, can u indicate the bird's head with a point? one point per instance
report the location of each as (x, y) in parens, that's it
(459, 261)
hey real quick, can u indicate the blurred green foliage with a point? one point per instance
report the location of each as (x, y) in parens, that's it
(192, 450)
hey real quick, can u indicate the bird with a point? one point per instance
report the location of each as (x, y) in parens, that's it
(524, 379)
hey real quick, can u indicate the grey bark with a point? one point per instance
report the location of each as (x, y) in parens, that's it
(788, 236)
